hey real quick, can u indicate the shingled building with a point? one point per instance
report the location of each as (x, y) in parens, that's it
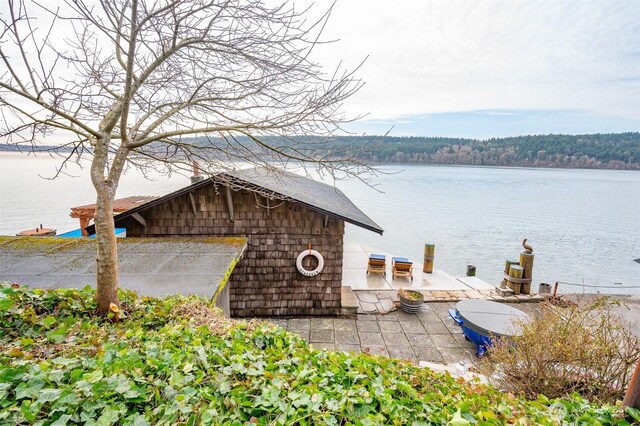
(294, 226)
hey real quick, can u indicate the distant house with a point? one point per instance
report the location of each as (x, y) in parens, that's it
(285, 217)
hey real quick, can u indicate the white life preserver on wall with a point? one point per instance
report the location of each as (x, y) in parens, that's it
(313, 272)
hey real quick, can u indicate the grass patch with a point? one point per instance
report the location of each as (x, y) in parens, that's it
(177, 360)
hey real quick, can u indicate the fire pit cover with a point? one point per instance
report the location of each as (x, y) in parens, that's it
(490, 318)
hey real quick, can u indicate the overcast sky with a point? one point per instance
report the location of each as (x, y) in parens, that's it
(487, 68)
(490, 68)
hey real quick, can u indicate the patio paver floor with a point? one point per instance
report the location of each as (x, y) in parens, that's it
(428, 336)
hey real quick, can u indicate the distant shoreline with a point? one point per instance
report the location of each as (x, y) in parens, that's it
(42, 149)
(478, 166)
(614, 151)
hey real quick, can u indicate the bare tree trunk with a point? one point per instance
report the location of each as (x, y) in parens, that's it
(107, 254)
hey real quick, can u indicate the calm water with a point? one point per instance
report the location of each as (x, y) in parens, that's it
(583, 224)
(28, 196)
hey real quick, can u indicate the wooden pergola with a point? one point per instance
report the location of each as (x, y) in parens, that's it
(88, 212)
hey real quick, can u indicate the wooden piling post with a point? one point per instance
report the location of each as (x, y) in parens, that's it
(515, 271)
(526, 261)
(429, 254)
(471, 271)
(632, 395)
(507, 265)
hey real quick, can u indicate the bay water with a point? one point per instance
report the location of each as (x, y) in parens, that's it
(584, 225)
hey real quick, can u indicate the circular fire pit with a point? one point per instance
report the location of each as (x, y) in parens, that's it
(482, 320)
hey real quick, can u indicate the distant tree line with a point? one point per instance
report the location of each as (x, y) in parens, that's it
(14, 147)
(597, 151)
(607, 151)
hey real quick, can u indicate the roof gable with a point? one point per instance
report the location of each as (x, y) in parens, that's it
(311, 193)
(280, 185)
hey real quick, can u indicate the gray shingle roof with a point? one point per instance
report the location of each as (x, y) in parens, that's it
(311, 193)
(276, 184)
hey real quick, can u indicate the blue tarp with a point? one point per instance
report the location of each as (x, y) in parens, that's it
(76, 233)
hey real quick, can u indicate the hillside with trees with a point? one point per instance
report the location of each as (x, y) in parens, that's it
(598, 151)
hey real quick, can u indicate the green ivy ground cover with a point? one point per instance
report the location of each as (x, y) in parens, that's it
(177, 361)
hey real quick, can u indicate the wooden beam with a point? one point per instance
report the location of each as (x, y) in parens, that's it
(229, 203)
(326, 220)
(193, 204)
(84, 222)
(140, 219)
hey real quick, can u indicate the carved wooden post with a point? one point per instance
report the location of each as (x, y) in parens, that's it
(515, 271)
(429, 253)
(526, 261)
(507, 265)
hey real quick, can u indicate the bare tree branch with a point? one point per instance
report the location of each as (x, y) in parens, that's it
(158, 85)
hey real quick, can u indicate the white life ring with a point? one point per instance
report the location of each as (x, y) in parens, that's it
(307, 272)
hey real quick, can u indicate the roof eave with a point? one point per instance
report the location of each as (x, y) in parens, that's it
(122, 216)
(337, 216)
(377, 230)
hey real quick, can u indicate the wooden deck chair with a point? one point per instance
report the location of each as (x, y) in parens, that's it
(401, 267)
(377, 264)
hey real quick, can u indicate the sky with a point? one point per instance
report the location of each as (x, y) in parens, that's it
(484, 69)
(488, 68)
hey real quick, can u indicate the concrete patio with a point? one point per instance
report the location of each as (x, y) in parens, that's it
(354, 274)
(375, 293)
(429, 336)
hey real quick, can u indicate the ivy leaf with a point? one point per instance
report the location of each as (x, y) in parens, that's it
(224, 388)
(11, 375)
(331, 421)
(24, 390)
(29, 410)
(634, 413)
(108, 417)
(62, 420)
(49, 321)
(209, 416)
(67, 362)
(57, 335)
(48, 395)
(5, 304)
(94, 376)
(458, 420)
(4, 390)
(138, 420)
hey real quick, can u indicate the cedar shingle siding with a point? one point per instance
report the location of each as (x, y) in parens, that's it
(266, 281)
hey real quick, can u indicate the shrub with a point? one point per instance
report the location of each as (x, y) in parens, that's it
(177, 361)
(581, 348)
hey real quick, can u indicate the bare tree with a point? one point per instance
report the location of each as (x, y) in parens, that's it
(134, 81)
